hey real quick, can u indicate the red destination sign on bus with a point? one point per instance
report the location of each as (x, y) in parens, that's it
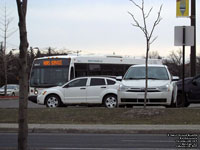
(52, 63)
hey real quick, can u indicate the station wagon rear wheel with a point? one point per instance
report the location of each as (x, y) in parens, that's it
(110, 101)
(53, 101)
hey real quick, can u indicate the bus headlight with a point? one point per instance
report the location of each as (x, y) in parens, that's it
(36, 92)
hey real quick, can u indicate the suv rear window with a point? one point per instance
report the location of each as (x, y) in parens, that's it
(97, 81)
(110, 82)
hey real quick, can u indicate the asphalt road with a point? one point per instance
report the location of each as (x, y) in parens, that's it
(53, 141)
(15, 104)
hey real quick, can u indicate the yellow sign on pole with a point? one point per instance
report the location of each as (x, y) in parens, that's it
(182, 8)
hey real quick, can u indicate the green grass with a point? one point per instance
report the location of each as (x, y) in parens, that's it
(98, 115)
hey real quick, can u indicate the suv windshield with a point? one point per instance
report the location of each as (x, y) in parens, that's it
(157, 73)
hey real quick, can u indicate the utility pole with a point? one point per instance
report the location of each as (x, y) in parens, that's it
(193, 48)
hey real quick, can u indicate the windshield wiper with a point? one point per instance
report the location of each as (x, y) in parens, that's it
(154, 78)
(133, 78)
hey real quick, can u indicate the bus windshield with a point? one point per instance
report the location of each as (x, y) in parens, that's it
(49, 76)
(49, 72)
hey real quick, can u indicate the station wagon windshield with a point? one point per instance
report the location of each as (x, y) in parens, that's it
(154, 73)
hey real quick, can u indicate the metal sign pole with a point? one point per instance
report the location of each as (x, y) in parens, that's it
(183, 75)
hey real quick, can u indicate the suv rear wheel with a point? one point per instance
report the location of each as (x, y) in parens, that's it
(110, 101)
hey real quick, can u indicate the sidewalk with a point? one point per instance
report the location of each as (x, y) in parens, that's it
(99, 128)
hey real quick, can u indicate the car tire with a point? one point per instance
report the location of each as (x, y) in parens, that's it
(53, 101)
(180, 102)
(13, 94)
(110, 101)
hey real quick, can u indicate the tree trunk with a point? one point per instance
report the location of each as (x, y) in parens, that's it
(146, 74)
(23, 77)
(5, 72)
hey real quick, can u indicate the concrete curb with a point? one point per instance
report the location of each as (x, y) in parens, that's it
(9, 97)
(75, 128)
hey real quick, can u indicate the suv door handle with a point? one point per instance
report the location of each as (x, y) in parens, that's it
(103, 87)
(82, 88)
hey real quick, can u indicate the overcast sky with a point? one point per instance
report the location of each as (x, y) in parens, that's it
(97, 26)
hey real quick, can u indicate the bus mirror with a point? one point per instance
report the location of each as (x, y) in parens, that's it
(119, 78)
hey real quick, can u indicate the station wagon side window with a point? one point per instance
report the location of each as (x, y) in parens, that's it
(77, 83)
(97, 81)
(110, 82)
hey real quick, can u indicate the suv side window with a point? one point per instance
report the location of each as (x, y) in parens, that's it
(110, 82)
(77, 83)
(97, 81)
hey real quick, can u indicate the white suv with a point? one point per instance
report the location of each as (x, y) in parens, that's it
(84, 90)
(161, 90)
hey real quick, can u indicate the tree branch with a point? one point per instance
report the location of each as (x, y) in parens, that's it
(153, 40)
(148, 13)
(136, 23)
(156, 22)
(136, 5)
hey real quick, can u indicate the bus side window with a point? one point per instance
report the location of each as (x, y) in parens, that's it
(72, 73)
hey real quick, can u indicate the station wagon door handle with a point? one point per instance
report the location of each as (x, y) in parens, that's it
(82, 88)
(103, 87)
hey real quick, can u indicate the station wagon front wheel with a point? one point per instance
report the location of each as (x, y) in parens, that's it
(52, 101)
(110, 101)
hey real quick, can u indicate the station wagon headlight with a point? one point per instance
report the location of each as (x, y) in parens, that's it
(165, 88)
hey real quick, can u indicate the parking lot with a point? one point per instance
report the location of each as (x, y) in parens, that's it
(13, 103)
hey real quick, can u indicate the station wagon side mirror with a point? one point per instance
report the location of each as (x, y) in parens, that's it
(119, 78)
(175, 78)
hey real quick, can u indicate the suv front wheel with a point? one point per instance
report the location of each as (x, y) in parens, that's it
(52, 101)
(110, 101)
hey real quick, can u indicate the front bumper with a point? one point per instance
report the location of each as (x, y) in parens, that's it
(153, 98)
(33, 98)
(41, 99)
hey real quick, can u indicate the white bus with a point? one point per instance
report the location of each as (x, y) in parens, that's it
(56, 70)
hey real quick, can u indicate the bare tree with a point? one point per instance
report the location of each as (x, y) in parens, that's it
(23, 76)
(154, 55)
(148, 34)
(7, 32)
(174, 62)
